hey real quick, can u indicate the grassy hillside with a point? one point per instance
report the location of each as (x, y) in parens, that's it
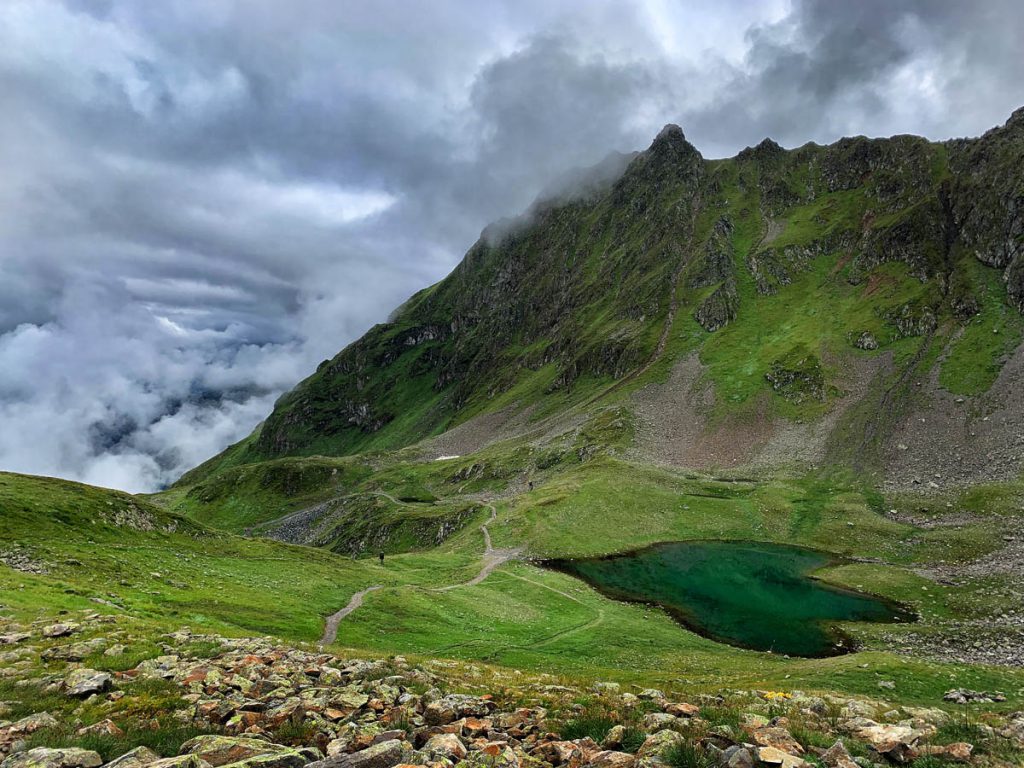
(521, 615)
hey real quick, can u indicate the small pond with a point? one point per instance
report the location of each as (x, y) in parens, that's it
(752, 595)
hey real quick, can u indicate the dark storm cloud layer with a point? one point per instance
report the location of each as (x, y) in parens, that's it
(202, 200)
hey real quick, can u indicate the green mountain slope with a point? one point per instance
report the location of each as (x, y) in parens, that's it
(781, 269)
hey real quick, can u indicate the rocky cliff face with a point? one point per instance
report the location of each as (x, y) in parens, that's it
(580, 288)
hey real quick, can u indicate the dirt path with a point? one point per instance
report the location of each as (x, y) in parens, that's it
(493, 558)
(331, 628)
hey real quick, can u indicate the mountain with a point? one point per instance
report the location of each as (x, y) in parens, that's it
(856, 304)
(747, 432)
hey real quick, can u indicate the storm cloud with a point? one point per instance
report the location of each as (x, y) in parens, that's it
(200, 201)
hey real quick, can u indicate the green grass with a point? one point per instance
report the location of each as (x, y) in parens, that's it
(976, 356)
(595, 727)
(249, 495)
(689, 754)
(521, 616)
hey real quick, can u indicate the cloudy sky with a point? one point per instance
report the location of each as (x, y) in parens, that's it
(200, 200)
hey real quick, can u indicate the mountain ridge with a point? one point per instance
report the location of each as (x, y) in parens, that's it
(574, 296)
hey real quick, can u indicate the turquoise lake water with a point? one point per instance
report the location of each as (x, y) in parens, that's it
(747, 594)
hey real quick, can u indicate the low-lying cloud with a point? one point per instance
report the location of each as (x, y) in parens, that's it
(200, 201)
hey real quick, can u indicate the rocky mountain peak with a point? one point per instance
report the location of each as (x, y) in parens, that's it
(1016, 119)
(671, 142)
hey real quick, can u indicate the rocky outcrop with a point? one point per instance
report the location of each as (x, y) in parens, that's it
(718, 309)
(798, 376)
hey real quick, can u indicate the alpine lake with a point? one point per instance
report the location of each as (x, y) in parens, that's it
(752, 595)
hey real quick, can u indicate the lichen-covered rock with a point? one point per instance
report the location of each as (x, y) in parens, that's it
(223, 750)
(771, 756)
(612, 759)
(613, 739)
(61, 629)
(957, 752)
(895, 742)
(495, 754)
(31, 724)
(837, 756)
(657, 744)
(42, 757)
(774, 736)
(737, 756)
(866, 341)
(181, 761)
(446, 745)
(86, 682)
(140, 757)
(105, 727)
(656, 721)
(385, 754)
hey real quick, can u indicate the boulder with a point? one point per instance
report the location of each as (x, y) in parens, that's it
(440, 713)
(74, 651)
(611, 759)
(103, 728)
(291, 759)
(894, 742)
(866, 341)
(774, 736)
(348, 699)
(386, 754)
(225, 750)
(32, 723)
(85, 682)
(446, 745)
(493, 754)
(657, 721)
(181, 761)
(42, 757)
(60, 630)
(967, 696)
(837, 756)
(137, 758)
(770, 756)
(959, 751)
(1014, 728)
(614, 737)
(683, 710)
(738, 756)
(561, 752)
(658, 743)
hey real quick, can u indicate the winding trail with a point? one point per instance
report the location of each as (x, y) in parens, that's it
(331, 628)
(493, 558)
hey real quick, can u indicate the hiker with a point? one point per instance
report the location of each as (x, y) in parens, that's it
(382, 558)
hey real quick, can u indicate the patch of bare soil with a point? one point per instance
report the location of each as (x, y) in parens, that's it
(478, 432)
(952, 440)
(673, 426)
(671, 416)
(805, 443)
